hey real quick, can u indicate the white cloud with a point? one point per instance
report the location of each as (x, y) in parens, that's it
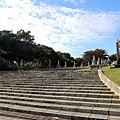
(64, 29)
(75, 2)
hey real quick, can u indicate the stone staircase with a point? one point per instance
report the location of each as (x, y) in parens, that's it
(52, 95)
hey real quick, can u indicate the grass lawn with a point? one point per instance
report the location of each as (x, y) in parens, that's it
(112, 73)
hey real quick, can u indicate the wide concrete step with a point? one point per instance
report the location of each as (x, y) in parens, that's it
(52, 86)
(41, 83)
(4, 117)
(39, 79)
(66, 112)
(38, 91)
(9, 115)
(85, 86)
(49, 82)
(93, 95)
(54, 99)
(11, 100)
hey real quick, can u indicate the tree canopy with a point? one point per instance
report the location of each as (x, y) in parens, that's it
(21, 45)
(88, 55)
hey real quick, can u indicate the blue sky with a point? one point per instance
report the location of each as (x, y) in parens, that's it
(72, 26)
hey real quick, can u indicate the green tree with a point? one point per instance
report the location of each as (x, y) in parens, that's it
(78, 61)
(65, 57)
(21, 35)
(21, 45)
(113, 57)
(88, 55)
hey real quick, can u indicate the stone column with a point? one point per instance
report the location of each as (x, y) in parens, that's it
(37, 64)
(117, 49)
(108, 61)
(21, 64)
(65, 64)
(94, 66)
(74, 64)
(49, 65)
(98, 61)
(82, 64)
(88, 63)
(58, 65)
(93, 61)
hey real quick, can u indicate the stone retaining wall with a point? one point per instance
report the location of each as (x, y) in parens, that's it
(114, 87)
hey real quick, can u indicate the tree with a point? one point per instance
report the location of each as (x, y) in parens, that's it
(65, 57)
(8, 45)
(88, 55)
(49, 54)
(21, 35)
(21, 45)
(78, 61)
(100, 53)
(113, 57)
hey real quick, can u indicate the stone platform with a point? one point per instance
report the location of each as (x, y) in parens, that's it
(60, 94)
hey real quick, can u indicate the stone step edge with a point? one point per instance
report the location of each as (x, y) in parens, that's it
(81, 109)
(50, 84)
(105, 100)
(24, 116)
(52, 79)
(92, 95)
(83, 86)
(58, 113)
(58, 102)
(55, 90)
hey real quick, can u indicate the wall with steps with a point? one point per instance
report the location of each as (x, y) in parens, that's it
(64, 94)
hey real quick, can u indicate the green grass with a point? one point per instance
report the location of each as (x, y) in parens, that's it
(112, 73)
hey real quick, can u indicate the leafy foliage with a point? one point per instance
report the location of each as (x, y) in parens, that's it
(88, 55)
(113, 57)
(21, 45)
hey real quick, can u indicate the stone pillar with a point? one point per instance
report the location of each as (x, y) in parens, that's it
(65, 64)
(94, 66)
(101, 61)
(93, 61)
(108, 61)
(98, 61)
(49, 65)
(88, 63)
(21, 64)
(37, 64)
(74, 64)
(117, 49)
(82, 64)
(58, 65)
